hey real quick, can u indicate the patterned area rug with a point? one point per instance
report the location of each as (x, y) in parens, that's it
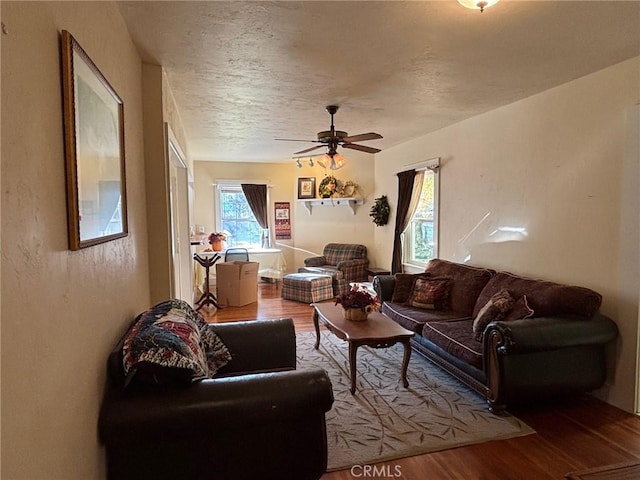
(384, 420)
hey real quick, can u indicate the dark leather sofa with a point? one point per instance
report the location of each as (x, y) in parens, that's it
(559, 350)
(259, 418)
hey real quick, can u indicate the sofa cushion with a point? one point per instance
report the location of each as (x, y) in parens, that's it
(520, 310)
(403, 286)
(414, 319)
(467, 284)
(457, 338)
(339, 252)
(430, 293)
(544, 298)
(495, 309)
(171, 344)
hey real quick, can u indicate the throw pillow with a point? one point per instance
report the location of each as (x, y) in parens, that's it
(403, 286)
(171, 344)
(430, 293)
(495, 309)
(520, 310)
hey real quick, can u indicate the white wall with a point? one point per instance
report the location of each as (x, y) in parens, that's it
(309, 232)
(62, 311)
(559, 164)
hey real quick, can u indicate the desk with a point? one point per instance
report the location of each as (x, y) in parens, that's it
(271, 264)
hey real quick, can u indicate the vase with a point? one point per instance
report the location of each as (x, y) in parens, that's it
(216, 245)
(355, 314)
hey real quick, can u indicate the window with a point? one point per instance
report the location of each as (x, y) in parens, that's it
(235, 217)
(420, 239)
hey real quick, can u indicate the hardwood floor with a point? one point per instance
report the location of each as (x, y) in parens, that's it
(576, 434)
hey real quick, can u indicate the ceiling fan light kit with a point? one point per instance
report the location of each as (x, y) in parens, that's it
(478, 4)
(332, 139)
(333, 162)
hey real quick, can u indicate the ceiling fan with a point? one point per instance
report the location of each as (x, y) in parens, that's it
(333, 138)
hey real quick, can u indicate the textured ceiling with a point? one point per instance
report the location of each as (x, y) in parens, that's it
(245, 73)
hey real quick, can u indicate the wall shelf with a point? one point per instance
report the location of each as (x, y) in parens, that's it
(350, 202)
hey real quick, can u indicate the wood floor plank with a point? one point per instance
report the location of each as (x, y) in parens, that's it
(571, 435)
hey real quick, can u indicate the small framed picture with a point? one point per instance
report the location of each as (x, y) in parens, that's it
(307, 187)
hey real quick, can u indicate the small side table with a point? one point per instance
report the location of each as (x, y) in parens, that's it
(373, 271)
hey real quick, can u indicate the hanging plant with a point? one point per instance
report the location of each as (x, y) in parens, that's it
(380, 211)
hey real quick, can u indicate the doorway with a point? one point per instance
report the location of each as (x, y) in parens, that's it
(182, 266)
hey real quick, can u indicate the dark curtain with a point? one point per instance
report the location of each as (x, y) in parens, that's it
(257, 199)
(405, 190)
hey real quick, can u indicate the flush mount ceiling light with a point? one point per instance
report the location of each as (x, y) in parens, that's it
(477, 4)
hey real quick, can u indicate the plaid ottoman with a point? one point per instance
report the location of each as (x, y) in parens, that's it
(307, 287)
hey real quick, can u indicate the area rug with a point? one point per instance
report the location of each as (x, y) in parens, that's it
(383, 420)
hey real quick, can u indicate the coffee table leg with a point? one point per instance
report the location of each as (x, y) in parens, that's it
(353, 348)
(405, 362)
(317, 327)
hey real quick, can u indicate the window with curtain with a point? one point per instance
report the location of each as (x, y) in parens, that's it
(420, 239)
(234, 216)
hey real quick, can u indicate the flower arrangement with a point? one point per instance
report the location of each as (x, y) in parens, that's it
(358, 298)
(217, 237)
(328, 186)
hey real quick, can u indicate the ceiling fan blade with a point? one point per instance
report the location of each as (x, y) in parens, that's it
(362, 148)
(294, 140)
(362, 137)
(308, 149)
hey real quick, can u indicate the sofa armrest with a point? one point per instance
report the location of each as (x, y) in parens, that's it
(258, 345)
(215, 404)
(550, 333)
(315, 261)
(384, 285)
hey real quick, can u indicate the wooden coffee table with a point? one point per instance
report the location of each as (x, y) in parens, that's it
(378, 331)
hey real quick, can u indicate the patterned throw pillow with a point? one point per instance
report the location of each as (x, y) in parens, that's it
(430, 293)
(520, 310)
(172, 344)
(494, 310)
(403, 286)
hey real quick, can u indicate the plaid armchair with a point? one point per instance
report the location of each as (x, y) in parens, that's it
(345, 262)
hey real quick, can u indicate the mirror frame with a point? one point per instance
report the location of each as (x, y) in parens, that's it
(76, 145)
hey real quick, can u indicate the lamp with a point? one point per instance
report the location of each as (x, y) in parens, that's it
(298, 164)
(477, 4)
(310, 162)
(332, 159)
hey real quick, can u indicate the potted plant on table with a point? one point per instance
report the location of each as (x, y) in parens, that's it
(357, 303)
(216, 239)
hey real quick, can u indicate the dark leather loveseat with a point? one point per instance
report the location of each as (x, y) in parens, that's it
(258, 418)
(551, 341)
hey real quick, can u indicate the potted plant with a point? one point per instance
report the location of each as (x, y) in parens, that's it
(216, 239)
(357, 303)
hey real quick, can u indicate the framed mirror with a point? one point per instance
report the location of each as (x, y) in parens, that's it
(94, 151)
